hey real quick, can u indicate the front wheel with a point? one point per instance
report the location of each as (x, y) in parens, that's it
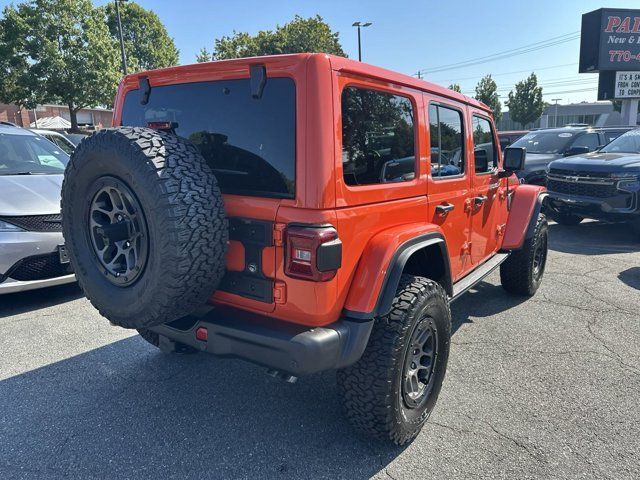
(522, 272)
(391, 391)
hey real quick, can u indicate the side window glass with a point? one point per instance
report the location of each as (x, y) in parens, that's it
(378, 138)
(484, 147)
(589, 140)
(447, 141)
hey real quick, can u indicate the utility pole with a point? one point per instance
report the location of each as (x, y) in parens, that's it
(555, 119)
(124, 55)
(363, 25)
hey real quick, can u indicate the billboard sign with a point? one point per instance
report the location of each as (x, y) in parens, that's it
(610, 40)
(627, 85)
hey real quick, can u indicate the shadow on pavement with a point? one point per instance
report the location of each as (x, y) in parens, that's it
(17, 303)
(483, 300)
(593, 238)
(631, 277)
(127, 411)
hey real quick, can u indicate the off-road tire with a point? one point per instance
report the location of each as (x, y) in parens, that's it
(184, 219)
(566, 219)
(518, 274)
(371, 389)
(154, 339)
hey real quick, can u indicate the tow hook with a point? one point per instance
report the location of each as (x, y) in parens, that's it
(282, 376)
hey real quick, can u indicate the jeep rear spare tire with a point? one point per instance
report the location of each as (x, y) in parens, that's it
(144, 224)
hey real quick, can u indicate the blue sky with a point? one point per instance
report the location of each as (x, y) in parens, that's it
(409, 35)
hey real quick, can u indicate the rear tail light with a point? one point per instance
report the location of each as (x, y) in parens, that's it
(312, 253)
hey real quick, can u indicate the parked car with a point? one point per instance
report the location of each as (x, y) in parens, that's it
(57, 138)
(546, 145)
(32, 253)
(507, 137)
(290, 193)
(604, 185)
(76, 138)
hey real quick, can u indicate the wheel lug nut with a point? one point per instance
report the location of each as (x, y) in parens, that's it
(413, 365)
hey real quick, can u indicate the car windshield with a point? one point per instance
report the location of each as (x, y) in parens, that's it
(545, 142)
(30, 154)
(627, 143)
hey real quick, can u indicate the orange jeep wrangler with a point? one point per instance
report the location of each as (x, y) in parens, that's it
(304, 212)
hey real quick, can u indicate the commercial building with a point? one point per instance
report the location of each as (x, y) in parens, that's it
(598, 114)
(90, 118)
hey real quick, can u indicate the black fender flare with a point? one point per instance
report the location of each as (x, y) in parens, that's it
(395, 269)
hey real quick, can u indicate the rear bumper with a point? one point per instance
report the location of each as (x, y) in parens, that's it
(283, 346)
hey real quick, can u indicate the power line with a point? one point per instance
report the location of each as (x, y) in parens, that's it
(567, 37)
(505, 73)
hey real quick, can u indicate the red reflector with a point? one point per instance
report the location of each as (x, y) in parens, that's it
(202, 334)
(160, 125)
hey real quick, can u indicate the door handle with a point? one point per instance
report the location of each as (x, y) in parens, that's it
(479, 200)
(444, 208)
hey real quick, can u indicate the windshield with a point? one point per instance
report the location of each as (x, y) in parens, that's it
(29, 154)
(627, 143)
(545, 142)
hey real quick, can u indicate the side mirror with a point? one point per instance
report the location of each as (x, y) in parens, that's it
(576, 151)
(513, 159)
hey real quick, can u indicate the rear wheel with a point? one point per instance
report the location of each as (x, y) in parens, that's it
(144, 224)
(522, 272)
(391, 391)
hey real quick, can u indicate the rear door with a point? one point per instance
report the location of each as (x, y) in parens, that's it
(487, 200)
(250, 145)
(449, 186)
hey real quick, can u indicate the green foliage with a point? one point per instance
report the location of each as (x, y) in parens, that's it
(455, 87)
(299, 35)
(487, 93)
(58, 51)
(146, 41)
(526, 104)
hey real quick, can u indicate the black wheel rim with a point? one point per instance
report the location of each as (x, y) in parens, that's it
(118, 231)
(420, 358)
(540, 258)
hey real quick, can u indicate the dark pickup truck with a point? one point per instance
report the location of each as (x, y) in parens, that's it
(546, 145)
(604, 185)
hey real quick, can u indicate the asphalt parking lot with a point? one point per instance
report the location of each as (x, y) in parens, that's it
(543, 388)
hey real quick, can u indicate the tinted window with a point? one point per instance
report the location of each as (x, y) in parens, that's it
(610, 135)
(589, 140)
(447, 140)
(378, 139)
(485, 152)
(545, 142)
(30, 154)
(627, 143)
(249, 143)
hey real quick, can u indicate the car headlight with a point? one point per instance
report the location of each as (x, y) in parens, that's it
(9, 227)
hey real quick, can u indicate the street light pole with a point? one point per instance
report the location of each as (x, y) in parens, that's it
(363, 25)
(124, 55)
(555, 118)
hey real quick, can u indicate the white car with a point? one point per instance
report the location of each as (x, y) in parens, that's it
(32, 253)
(57, 138)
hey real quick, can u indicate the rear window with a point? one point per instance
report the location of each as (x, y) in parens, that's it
(249, 143)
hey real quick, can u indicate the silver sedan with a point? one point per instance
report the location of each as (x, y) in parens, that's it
(32, 253)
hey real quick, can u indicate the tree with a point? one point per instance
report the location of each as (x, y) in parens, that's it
(63, 53)
(455, 87)
(487, 93)
(16, 85)
(299, 35)
(146, 41)
(526, 105)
